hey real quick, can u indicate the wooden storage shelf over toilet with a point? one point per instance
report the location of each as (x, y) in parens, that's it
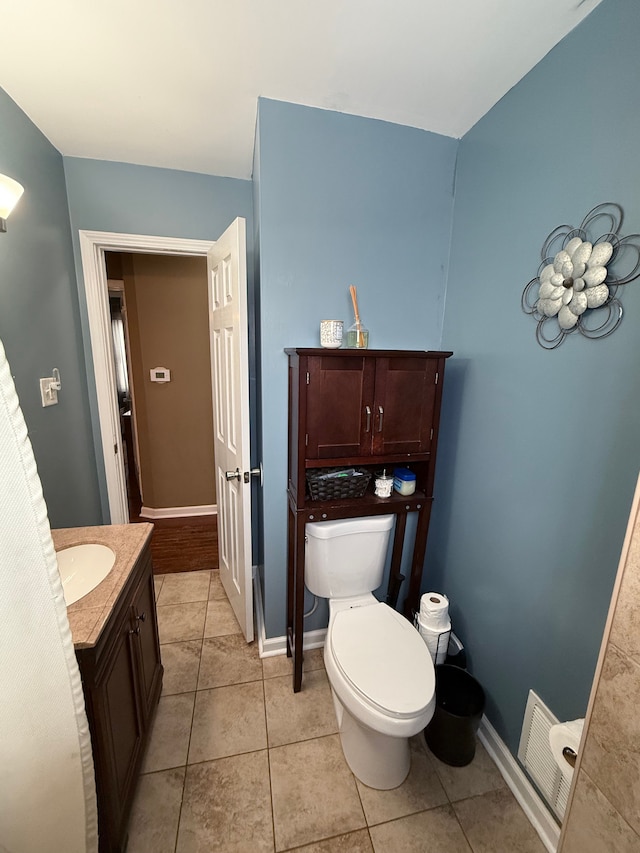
(368, 409)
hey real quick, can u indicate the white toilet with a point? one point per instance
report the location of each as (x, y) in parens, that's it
(379, 667)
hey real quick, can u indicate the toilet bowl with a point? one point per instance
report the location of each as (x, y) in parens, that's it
(383, 684)
(379, 668)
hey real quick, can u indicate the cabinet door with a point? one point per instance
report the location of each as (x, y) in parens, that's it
(339, 401)
(149, 666)
(405, 395)
(119, 732)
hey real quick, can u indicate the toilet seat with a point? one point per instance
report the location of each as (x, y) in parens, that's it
(384, 659)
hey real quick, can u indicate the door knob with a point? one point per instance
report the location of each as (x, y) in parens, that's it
(254, 472)
(238, 475)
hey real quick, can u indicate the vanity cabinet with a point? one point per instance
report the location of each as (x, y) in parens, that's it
(122, 679)
(366, 408)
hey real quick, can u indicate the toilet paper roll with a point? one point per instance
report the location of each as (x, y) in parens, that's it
(434, 610)
(565, 736)
(436, 640)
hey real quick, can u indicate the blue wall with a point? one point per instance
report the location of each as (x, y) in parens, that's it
(342, 200)
(39, 320)
(123, 198)
(539, 450)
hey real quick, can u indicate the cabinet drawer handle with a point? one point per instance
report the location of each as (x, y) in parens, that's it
(381, 414)
(367, 410)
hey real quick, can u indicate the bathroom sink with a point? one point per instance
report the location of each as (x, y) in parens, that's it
(82, 567)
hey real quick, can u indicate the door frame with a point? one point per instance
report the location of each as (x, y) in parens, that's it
(93, 245)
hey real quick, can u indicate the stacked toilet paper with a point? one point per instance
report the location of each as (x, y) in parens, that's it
(565, 736)
(434, 624)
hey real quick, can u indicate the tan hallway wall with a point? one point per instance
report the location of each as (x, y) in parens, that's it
(167, 312)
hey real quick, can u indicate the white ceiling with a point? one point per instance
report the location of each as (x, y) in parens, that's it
(176, 84)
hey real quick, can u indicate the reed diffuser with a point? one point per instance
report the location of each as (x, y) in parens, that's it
(357, 335)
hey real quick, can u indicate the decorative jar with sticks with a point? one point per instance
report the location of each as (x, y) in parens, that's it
(357, 335)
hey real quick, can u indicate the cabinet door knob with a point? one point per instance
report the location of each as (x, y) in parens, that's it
(135, 630)
(367, 410)
(381, 415)
(141, 617)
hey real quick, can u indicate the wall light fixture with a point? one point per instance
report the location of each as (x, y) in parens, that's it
(10, 192)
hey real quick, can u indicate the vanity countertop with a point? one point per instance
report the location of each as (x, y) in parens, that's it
(88, 616)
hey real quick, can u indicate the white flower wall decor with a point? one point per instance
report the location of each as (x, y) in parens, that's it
(582, 268)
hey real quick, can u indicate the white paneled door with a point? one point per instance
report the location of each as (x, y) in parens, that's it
(227, 273)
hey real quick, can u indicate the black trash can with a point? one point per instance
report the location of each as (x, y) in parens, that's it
(451, 734)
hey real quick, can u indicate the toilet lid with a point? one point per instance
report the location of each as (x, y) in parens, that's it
(384, 658)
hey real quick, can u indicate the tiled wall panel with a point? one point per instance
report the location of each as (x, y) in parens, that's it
(604, 813)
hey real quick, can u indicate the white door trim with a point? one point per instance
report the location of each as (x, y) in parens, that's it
(93, 245)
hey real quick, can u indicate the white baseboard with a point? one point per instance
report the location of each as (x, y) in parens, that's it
(178, 511)
(531, 802)
(272, 646)
(278, 645)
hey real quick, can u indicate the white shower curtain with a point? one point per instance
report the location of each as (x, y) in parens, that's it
(47, 789)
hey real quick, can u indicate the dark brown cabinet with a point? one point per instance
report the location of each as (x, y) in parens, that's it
(122, 679)
(365, 408)
(364, 405)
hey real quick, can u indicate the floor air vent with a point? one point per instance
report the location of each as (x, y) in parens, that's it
(536, 757)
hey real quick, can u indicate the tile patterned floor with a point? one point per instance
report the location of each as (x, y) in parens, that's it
(238, 763)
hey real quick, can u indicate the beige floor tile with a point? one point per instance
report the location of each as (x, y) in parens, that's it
(299, 716)
(158, 580)
(435, 831)
(495, 822)
(352, 842)
(153, 825)
(227, 807)
(216, 590)
(314, 792)
(181, 587)
(169, 739)
(421, 790)
(221, 619)
(181, 663)
(479, 777)
(228, 660)
(228, 721)
(282, 665)
(181, 621)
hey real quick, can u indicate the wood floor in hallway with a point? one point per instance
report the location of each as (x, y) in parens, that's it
(178, 544)
(184, 544)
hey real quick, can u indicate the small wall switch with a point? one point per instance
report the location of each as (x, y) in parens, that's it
(48, 393)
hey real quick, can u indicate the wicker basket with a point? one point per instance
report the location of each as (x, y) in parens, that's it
(326, 484)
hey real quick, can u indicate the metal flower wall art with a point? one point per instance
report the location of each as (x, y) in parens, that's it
(577, 283)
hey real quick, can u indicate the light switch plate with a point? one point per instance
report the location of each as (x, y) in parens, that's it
(48, 394)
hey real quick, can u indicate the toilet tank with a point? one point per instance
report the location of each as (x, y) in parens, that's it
(346, 557)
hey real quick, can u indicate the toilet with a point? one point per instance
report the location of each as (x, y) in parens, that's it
(379, 668)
